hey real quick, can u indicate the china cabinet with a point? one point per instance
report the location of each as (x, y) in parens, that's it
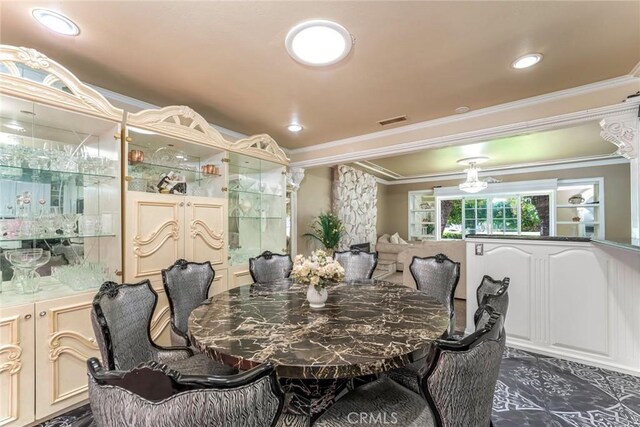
(257, 212)
(90, 193)
(59, 230)
(422, 215)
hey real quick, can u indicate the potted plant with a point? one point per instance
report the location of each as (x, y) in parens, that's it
(328, 230)
(317, 271)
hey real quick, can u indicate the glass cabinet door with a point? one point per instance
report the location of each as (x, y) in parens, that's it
(59, 201)
(164, 165)
(257, 203)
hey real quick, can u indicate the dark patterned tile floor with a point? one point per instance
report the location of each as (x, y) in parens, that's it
(537, 391)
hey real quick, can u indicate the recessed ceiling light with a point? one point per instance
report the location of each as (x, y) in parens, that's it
(462, 110)
(294, 127)
(56, 22)
(318, 42)
(527, 61)
(14, 126)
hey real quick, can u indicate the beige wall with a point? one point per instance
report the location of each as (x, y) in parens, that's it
(314, 196)
(392, 210)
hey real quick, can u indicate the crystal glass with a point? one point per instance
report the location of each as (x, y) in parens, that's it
(25, 262)
(69, 223)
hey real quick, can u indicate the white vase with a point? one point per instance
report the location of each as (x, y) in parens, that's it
(316, 299)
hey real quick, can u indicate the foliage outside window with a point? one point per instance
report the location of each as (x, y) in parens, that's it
(498, 214)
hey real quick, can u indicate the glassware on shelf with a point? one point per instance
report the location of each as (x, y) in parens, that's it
(69, 223)
(25, 262)
(83, 276)
(90, 224)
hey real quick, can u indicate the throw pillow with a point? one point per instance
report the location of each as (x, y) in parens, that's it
(395, 239)
(384, 238)
(402, 241)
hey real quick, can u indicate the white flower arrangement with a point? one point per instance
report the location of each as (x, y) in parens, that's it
(317, 270)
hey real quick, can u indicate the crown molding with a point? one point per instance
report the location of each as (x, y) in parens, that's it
(142, 105)
(527, 102)
(537, 125)
(582, 162)
(635, 71)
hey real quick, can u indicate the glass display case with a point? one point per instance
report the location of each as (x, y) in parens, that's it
(59, 201)
(163, 165)
(257, 208)
(422, 215)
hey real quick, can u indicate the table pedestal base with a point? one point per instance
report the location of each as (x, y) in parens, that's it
(311, 397)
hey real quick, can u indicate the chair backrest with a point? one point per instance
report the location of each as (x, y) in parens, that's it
(461, 376)
(122, 316)
(437, 276)
(187, 285)
(494, 293)
(482, 316)
(357, 265)
(270, 267)
(153, 395)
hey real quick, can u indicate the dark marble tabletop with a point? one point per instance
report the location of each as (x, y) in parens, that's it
(364, 328)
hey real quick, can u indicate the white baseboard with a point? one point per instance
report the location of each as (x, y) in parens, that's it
(569, 355)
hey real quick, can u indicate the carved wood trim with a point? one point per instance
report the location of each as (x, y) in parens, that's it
(621, 134)
(207, 235)
(14, 359)
(56, 349)
(77, 96)
(160, 323)
(261, 146)
(139, 242)
(180, 122)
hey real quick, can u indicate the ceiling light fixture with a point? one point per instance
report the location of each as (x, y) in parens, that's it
(473, 184)
(14, 126)
(294, 127)
(462, 110)
(318, 42)
(527, 61)
(56, 22)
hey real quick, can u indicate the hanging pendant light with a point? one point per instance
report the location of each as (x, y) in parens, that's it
(473, 184)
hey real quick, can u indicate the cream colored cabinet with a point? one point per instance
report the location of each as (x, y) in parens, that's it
(160, 330)
(64, 342)
(161, 229)
(239, 275)
(17, 365)
(220, 283)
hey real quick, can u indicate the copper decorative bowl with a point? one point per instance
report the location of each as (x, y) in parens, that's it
(136, 156)
(210, 170)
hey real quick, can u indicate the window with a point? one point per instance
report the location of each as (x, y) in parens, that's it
(503, 214)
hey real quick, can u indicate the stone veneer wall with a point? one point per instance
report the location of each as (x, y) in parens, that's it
(354, 201)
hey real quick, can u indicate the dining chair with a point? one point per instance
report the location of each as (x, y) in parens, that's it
(270, 267)
(154, 395)
(357, 265)
(186, 284)
(494, 293)
(438, 277)
(121, 319)
(456, 387)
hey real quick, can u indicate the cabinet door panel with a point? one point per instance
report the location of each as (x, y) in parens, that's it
(161, 321)
(219, 284)
(65, 341)
(16, 365)
(205, 239)
(153, 236)
(239, 276)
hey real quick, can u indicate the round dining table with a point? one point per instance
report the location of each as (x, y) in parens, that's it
(365, 328)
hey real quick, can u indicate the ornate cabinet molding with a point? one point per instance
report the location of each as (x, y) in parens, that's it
(180, 122)
(58, 87)
(261, 146)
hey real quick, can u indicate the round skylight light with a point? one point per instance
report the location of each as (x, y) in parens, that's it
(527, 61)
(56, 22)
(294, 127)
(318, 42)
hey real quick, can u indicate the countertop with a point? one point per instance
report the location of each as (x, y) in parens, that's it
(537, 238)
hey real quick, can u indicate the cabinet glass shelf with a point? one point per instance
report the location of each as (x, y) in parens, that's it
(20, 174)
(254, 217)
(60, 237)
(255, 192)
